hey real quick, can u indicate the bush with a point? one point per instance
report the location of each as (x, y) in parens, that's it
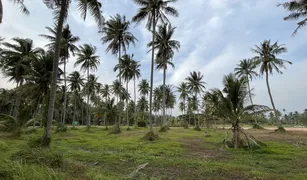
(197, 128)
(61, 128)
(164, 129)
(257, 126)
(3, 146)
(39, 156)
(151, 136)
(142, 124)
(280, 129)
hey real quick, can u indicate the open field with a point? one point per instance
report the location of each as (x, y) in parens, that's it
(177, 154)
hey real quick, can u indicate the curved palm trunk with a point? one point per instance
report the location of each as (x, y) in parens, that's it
(271, 98)
(47, 135)
(1, 11)
(88, 122)
(134, 119)
(250, 97)
(127, 113)
(152, 69)
(65, 93)
(163, 99)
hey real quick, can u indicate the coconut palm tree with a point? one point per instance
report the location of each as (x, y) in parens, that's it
(61, 9)
(110, 110)
(184, 93)
(16, 62)
(144, 87)
(22, 7)
(142, 106)
(196, 85)
(117, 88)
(229, 104)
(75, 84)
(67, 46)
(165, 46)
(246, 70)
(298, 9)
(268, 61)
(106, 92)
(116, 33)
(154, 11)
(88, 60)
(136, 73)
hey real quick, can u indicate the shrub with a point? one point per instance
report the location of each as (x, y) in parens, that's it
(164, 129)
(280, 129)
(257, 126)
(197, 128)
(151, 136)
(142, 124)
(3, 146)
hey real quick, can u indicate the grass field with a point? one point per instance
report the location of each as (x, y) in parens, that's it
(177, 154)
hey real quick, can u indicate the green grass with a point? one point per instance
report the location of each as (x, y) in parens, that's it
(178, 154)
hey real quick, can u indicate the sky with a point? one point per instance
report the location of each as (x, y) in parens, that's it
(214, 35)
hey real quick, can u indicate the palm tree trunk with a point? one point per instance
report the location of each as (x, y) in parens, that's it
(65, 93)
(163, 98)
(47, 135)
(152, 69)
(236, 135)
(134, 119)
(74, 116)
(88, 122)
(127, 113)
(250, 97)
(120, 98)
(197, 111)
(1, 11)
(271, 98)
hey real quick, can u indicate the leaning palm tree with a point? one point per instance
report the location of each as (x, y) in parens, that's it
(246, 70)
(184, 93)
(75, 84)
(154, 11)
(196, 85)
(298, 10)
(229, 104)
(16, 62)
(165, 46)
(23, 8)
(268, 61)
(67, 46)
(88, 60)
(61, 9)
(116, 33)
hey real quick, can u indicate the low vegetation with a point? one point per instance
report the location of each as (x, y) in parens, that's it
(177, 154)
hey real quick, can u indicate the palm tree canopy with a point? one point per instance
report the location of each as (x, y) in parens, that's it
(22, 7)
(195, 82)
(246, 69)
(143, 87)
(165, 45)
(298, 9)
(183, 90)
(116, 33)
(68, 41)
(150, 9)
(142, 105)
(106, 91)
(92, 85)
(136, 71)
(126, 66)
(87, 58)
(16, 58)
(230, 103)
(76, 81)
(117, 88)
(267, 57)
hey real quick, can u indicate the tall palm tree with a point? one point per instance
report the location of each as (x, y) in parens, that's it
(117, 88)
(144, 87)
(196, 85)
(110, 110)
(61, 9)
(67, 46)
(154, 11)
(136, 73)
(184, 94)
(23, 8)
(116, 33)
(93, 87)
(88, 60)
(246, 70)
(105, 93)
(298, 9)
(75, 84)
(16, 62)
(142, 105)
(268, 61)
(165, 46)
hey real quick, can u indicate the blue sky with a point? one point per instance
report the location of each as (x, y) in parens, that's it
(214, 36)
